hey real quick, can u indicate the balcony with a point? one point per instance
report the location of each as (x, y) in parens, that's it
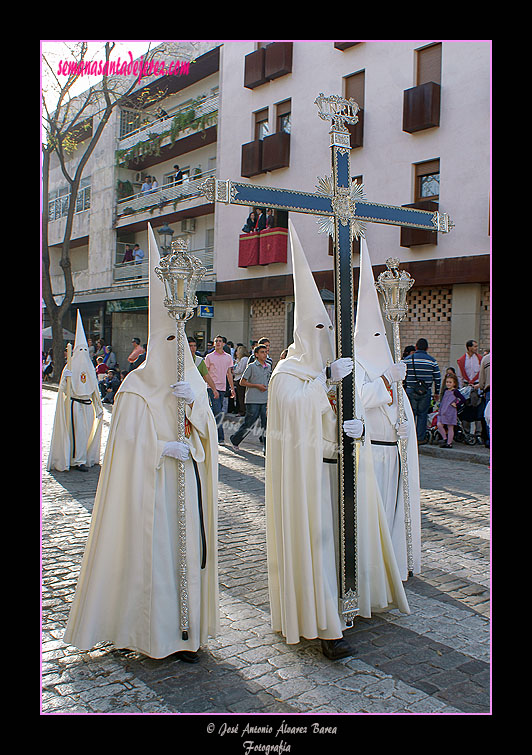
(419, 236)
(356, 131)
(421, 107)
(267, 63)
(270, 153)
(263, 247)
(164, 199)
(135, 273)
(180, 123)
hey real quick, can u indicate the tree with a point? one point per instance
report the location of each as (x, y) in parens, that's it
(66, 127)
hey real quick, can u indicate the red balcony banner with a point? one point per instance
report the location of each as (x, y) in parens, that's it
(273, 245)
(248, 250)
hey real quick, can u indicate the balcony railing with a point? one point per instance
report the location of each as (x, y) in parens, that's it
(185, 116)
(139, 271)
(58, 208)
(168, 194)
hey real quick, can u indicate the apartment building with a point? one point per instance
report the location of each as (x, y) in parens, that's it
(177, 126)
(246, 112)
(423, 140)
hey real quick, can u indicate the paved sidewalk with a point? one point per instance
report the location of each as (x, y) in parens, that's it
(435, 660)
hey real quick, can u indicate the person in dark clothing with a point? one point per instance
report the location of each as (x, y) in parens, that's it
(422, 371)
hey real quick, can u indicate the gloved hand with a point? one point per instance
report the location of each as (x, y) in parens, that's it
(341, 368)
(183, 390)
(177, 450)
(396, 373)
(353, 428)
(402, 429)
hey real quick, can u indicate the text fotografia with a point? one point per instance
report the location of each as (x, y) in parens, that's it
(139, 68)
(250, 746)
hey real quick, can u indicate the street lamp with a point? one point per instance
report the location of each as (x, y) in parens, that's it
(166, 234)
(180, 273)
(394, 285)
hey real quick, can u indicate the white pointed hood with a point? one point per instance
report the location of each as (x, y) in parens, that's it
(372, 350)
(84, 380)
(313, 346)
(152, 380)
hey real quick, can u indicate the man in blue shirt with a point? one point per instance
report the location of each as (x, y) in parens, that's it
(422, 371)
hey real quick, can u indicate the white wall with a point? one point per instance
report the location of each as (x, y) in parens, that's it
(462, 143)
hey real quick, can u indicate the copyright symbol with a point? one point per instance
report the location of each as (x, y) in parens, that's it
(210, 728)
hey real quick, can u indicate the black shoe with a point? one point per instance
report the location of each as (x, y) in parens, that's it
(188, 656)
(336, 649)
(232, 442)
(422, 442)
(82, 468)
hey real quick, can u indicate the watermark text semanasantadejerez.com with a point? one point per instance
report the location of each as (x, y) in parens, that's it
(139, 68)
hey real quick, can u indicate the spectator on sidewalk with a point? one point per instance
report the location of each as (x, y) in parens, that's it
(135, 354)
(109, 357)
(101, 370)
(262, 342)
(469, 365)
(484, 385)
(451, 400)
(109, 387)
(255, 380)
(220, 366)
(241, 361)
(200, 364)
(422, 371)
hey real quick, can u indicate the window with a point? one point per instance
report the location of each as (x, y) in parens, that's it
(58, 200)
(283, 111)
(354, 87)
(262, 128)
(427, 184)
(130, 120)
(428, 64)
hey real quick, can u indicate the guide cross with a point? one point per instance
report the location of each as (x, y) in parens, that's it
(342, 212)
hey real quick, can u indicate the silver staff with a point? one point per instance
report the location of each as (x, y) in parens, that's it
(181, 272)
(394, 286)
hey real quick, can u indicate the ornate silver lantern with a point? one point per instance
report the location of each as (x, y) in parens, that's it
(394, 285)
(180, 273)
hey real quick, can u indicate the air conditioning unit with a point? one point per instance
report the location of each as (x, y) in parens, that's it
(188, 225)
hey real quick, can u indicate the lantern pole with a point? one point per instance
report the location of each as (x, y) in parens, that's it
(394, 285)
(180, 273)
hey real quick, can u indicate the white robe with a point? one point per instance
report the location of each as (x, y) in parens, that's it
(380, 419)
(301, 518)
(84, 448)
(128, 589)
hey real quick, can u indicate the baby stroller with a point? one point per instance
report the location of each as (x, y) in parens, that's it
(460, 435)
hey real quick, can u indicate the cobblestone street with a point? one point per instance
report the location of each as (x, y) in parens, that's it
(433, 661)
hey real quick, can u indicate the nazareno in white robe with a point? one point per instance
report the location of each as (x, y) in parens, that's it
(380, 418)
(301, 489)
(77, 428)
(372, 358)
(128, 588)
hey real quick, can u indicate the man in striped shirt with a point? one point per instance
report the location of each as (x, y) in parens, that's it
(421, 366)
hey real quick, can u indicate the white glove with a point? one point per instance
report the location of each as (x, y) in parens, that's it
(396, 373)
(402, 429)
(183, 390)
(341, 368)
(67, 372)
(353, 428)
(177, 450)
